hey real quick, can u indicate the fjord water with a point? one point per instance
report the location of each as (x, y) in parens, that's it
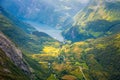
(53, 32)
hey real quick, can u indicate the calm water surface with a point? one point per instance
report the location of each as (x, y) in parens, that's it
(55, 33)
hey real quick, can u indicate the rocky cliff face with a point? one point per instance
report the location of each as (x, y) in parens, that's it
(13, 53)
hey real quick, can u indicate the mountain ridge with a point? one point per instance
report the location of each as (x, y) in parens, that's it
(95, 21)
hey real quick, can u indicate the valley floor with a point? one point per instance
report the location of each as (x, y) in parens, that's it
(79, 61)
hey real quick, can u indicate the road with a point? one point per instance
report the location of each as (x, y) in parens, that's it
(82, 72)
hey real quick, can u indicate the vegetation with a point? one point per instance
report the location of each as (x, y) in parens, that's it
(90, 59)
(32, 43)
(100, 56)
(8, 70)
(93, 55)
(95, 21)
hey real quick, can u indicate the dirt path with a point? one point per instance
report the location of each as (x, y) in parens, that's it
(82, 72)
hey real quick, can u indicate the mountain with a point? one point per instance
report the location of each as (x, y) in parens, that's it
(28, 41)
(103, 58)
(95, 21)
(24, 36)
(12, 65)
(26, 27)
(27, 54)
(98, 59)
(52, 12)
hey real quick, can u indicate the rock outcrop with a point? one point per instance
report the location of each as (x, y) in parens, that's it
(13, 53)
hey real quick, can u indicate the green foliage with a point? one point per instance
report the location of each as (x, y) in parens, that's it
(99, 58)
(103, 58)
(95, 21)
(52, 77)
(8, 70)
(38, 72)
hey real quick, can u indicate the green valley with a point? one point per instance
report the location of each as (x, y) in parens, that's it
(28, 43)
(90, 49)
(89, 60)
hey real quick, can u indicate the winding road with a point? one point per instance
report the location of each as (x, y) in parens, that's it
(82, 72)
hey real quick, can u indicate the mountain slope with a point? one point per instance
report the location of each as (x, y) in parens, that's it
(95, 21)
(12, 65)
(26, 40)
(106, 54)
(98, 59)
(8, 70)
(28, 43)
(26, 27)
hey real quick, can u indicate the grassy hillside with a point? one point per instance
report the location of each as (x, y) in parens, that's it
(31, 43)
(93, 59)
(99, 58)
(97, 19)
(8, 70)
(103, 58)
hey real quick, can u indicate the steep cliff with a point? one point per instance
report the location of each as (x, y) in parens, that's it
(11, 57)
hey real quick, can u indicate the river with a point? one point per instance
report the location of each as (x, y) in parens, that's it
(55, 33)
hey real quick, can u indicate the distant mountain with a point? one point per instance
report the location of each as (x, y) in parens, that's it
(40, 34)
(26, 27)
(98, 18)
(52, 12)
